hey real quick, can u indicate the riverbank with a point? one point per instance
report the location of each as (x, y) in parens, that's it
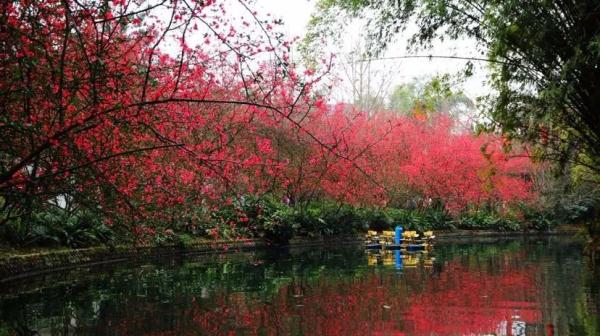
(17, 264)
(443, 235)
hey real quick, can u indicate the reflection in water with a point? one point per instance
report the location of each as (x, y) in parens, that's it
(514, 287)
(399, 259)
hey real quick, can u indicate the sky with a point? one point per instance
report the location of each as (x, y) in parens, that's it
(296, 14)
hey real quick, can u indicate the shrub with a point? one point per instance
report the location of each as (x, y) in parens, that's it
(57, 227)
(487, 220)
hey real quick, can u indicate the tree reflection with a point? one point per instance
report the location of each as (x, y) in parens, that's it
(508, 290)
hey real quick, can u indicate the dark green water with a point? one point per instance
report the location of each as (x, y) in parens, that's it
(508, 287)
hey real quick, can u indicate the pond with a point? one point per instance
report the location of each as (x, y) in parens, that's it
(533, 286)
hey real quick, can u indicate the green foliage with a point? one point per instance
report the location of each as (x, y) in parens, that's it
(5, 331)
(57, 227)
(269, 218)
(436, 94)
(184, 240)
(577, 212)
(403, 98)
(275, 223)
(539, 220)
(487, 220)
(421, 220)
(583, 211)
(279, 222)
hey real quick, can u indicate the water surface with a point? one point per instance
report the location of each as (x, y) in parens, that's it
(500, 287)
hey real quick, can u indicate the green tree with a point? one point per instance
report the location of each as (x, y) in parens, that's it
(433, 95)
(403, 97)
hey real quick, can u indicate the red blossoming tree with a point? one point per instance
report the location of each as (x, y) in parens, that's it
(146, 111)
(130, 107)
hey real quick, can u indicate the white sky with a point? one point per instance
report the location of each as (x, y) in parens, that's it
(296, 13)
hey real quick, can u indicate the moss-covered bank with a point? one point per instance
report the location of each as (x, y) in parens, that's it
(15, 264)
(18, 264)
